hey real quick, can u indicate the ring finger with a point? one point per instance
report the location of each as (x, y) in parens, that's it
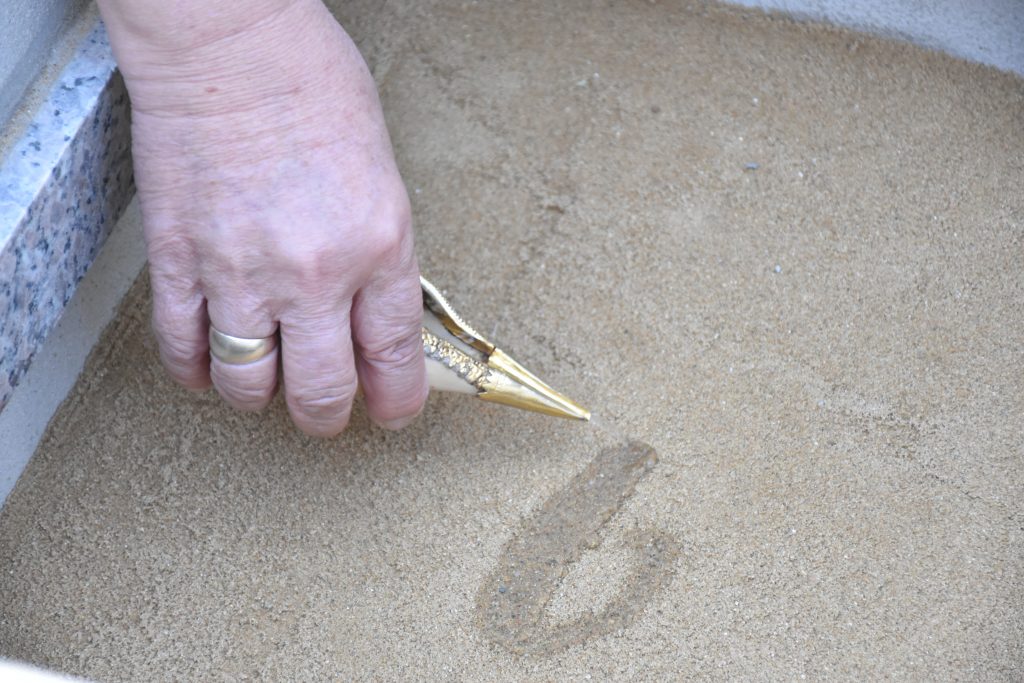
(246, 384)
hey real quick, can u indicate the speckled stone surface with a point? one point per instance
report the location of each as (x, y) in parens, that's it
(62, 186)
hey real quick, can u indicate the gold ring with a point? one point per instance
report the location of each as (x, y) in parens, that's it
(239, 350)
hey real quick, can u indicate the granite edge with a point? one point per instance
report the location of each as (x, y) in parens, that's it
(63, 185)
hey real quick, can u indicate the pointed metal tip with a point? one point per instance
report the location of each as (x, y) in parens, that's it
(567, 407)
(455, 346)
(582, 416)
(516, 386)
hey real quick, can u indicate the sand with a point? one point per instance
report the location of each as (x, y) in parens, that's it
(786, 257)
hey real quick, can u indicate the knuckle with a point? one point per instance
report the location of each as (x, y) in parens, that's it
(327, 404)
(181, 339)
(244, 393)
(178, 348)
(390, 237)
(316, 263)
(385, 238)
(397, 349)
(189, 375)
(232, 267)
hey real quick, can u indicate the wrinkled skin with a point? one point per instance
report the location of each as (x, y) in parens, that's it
(271, 200)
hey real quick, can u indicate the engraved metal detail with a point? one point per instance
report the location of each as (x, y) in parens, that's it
(464, 366)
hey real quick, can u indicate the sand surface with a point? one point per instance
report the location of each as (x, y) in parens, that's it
(787, 258)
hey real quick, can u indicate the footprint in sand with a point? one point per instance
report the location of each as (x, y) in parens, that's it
(512, 602)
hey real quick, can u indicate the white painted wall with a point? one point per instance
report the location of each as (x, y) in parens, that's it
(986, 31)
(28, 32)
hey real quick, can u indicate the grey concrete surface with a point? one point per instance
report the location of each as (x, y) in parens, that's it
(29, 31)
(985, 31)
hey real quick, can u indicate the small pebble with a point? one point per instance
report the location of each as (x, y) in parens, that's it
(778, 268)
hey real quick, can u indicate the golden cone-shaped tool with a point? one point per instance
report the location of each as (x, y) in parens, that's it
(460, 359)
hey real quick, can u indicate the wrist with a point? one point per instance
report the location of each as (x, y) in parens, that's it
(171, 27)
(196, 61)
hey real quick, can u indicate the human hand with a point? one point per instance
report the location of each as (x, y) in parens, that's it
(271, 200)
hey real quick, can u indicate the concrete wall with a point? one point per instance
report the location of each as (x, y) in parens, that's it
(986, 31)
(28, 33)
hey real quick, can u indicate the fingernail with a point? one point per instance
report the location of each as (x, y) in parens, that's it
(400, 422)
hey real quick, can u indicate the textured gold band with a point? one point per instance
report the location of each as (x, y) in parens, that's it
(239, 350)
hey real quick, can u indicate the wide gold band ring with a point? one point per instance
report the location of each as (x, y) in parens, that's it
(239, 350)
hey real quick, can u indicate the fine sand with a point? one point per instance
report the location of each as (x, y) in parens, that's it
(786, 258)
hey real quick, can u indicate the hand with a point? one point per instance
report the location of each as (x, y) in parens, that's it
(271, 200)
